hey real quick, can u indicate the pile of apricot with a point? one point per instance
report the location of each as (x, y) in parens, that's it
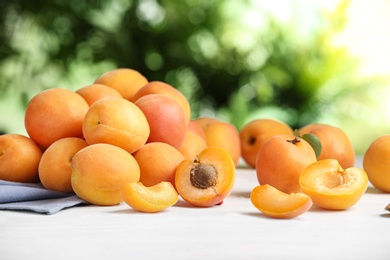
(123, 138)
(126, 139)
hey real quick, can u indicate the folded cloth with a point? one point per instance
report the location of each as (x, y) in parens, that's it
(34, 197)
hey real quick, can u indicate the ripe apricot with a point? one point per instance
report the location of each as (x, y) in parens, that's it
(193, 144)
(53, 114)
(255, 133)
(150, 199)
(276, 204)
(335, 143)
(101, 171)
(281, 160)
(332, 187)
(158, 162)
(159, 87)
(95, 92)
(222, 134)
(19, 158)
(206, 180)
(166, 119)
(55, 165)
(116, 121)
(376, 163)
(126, 81)
(196, 128)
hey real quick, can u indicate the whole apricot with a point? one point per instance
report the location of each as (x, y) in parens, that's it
(276, 204)
(116, 121)
(158, 162)
(376, 163)
(101, 171)
(53, 114)
(206, 180)
(159, 87)
(281, 160)
(55, 165)
(19, 158)
(332, 187)
(193, 144)
(255, 133)
(165, 117)
(334, 141)
(95, 92)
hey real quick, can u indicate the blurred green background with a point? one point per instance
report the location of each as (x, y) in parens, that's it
(293, 60)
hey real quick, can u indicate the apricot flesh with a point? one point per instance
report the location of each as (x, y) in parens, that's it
(277, 204)
(332, 187)
(150, 199)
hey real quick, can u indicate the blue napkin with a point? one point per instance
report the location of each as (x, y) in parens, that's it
(34, 197)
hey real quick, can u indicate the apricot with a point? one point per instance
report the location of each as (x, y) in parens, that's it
(159, 87)
(222, 134)
(206, 180)
(55, 165)
(193, 144)
(101, 171)
(158, 162)
(150, 199)
(255, 133)
(376, 163)
(53, 114)
(276, 204)
(95, 92)
(196, 128)
(116, 121)
(166, 119)
(332, 187)
(335, 143)
(281, 160)
(126, 81)
(19, 158)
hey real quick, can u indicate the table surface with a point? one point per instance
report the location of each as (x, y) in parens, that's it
(234, 230)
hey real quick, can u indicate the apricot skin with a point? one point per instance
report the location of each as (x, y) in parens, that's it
(150, 199)
(276, 204)
(332, 187)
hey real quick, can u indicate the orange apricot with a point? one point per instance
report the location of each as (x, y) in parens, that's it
(334, 141)
(19, 158)
(222, 134)
(166, 119)
(332, 187)
(208, 179)
(196, 128)
(126, 81)
(255, 133)
(101, 171)
(158, 162)
(276, 204)
(55, 165)
(376, 163)
(95, 92)
(53, 114)
(150, 199)
(193, 144)
(116, 121)
(281, 160)
(159, 87)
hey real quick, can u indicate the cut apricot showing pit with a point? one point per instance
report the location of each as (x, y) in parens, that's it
(150, 199)
(277, 204)
(332, 187)
(206, 180)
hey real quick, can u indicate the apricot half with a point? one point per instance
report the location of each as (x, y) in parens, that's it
(150, 199)
(276, 204)
(208, 179)
(332, 187)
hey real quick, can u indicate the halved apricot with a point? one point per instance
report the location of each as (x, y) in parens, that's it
(277, 204)
(332, 187)
(208, 179)
(150, 199)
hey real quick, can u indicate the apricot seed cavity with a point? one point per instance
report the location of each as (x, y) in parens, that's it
(203, 176)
